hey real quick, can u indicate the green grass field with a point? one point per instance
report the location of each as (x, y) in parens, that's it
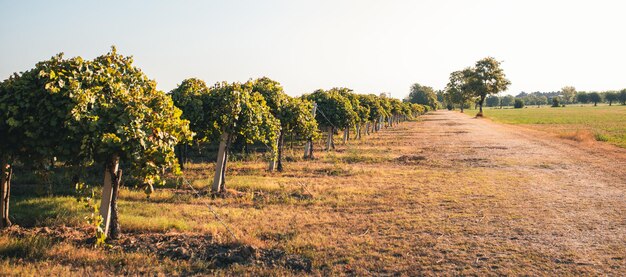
(602, 123)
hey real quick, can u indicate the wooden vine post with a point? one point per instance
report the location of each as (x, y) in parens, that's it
(110, 180)
(5, 194)
(308, 147)
(329, 139)
(273, 161)
(220, 165)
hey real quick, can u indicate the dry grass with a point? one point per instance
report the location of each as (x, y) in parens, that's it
(469, 204)
(584, 136)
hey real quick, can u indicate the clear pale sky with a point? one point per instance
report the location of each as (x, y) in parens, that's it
(366, 45)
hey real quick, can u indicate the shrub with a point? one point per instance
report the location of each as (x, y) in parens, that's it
(601, 137)
(519, 103)
(556, 102)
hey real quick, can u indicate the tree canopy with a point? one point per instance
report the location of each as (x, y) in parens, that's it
(594, 97)
(84, 111)
(334, 109)
(569, 94)
(622, 96)
(423, 95)
(490, 79)
(80, 111)
(611, 96)
(461, 87)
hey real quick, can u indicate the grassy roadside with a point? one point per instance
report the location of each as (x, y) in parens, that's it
(601, 123)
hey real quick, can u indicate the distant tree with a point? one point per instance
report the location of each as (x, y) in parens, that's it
(519, 103)
(582, 97)
(556, 102)
(507, 100)
(440, 96)
(541, 100)
(595, 98)
(492, 101)
(611, 96)
(569, 94)
(422, 95)
(491, 80)
(622, 96)
(530, 99)
(459, 89)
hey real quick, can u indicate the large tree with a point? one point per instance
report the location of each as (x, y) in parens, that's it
(569, 94)
(461, 87)
(507, 100)
(582, 97)
(595, 98)
(622, 96)
(490, 79)
(541, 100)
(611, 96)
(492, 101)
(424, 95)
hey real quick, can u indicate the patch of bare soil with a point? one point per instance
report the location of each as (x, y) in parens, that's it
(175, 246)
(182, 246)
(410, 159)
(476, 162)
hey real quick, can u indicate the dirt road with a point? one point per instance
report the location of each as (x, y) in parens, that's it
(527, 202)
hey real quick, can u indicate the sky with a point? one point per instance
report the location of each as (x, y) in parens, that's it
(367, 45)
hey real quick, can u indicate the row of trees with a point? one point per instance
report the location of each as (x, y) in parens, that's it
(255, 111)
(509, 100)
(105, 111)
(423, 95)
(599, 97)
(569, 95)
(260, 111)
(342, 109)
(474, 84)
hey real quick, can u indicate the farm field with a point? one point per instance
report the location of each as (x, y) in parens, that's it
(586, 123)
(448, 194)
